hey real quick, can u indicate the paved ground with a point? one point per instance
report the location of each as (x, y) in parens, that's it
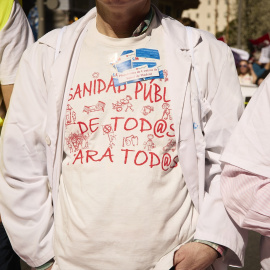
(252, 254)
(252, 260)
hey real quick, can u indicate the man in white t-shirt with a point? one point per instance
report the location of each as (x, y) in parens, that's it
(122, 145)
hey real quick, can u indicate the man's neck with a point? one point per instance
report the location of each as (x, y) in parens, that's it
(120, 22)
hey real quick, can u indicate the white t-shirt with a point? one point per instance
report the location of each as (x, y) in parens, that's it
(246, 79)
(123, 203)
(15, 36)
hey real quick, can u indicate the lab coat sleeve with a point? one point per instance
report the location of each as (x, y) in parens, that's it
(15, 37)
(226, 103)
(249, 145)
(245, 179)
(25, 199)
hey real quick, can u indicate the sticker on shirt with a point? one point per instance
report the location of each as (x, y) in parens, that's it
(131, 67)
(148, 53)
(134, 74)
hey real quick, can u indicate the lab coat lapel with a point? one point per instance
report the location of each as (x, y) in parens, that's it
(179, 71)
(179, 66)
(62, 74)
(61, 68)
(59, 75)
(178, 62)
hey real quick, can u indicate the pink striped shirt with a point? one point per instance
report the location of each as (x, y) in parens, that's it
(247, 198)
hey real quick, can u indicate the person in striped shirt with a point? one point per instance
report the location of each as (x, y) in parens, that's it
(245, 180)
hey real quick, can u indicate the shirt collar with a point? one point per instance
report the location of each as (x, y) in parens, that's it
(144, 25)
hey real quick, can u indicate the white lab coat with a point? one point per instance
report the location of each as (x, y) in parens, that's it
(32, 144)
(249, 149)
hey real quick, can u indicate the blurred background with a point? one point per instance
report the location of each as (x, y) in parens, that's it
(242, 24)
(236, 22)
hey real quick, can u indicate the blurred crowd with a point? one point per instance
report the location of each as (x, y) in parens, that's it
(252, 68)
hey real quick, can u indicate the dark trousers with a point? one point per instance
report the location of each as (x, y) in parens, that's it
(9, 260)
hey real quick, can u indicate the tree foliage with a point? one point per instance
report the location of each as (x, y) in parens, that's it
(255, 22)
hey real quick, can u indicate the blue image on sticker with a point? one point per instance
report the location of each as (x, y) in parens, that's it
(139, 64)
(116, 82)
(121, 67)
(160, 76)
(126, 52)
(147, 53)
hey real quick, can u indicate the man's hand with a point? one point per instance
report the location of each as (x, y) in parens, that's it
(194, 256)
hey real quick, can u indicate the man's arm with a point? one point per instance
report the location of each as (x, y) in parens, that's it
(226, 102)
(246, 197)
(46, 266)
(248, 166)
(25, 199)
(219, 84)
(15, 36)
(249, 146)
(193, 256)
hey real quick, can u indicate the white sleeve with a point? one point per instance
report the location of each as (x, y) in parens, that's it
(249, 145)
(15, 37)
(214, 224)
(25, 198)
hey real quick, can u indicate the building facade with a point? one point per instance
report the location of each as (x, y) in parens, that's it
(213, 15)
